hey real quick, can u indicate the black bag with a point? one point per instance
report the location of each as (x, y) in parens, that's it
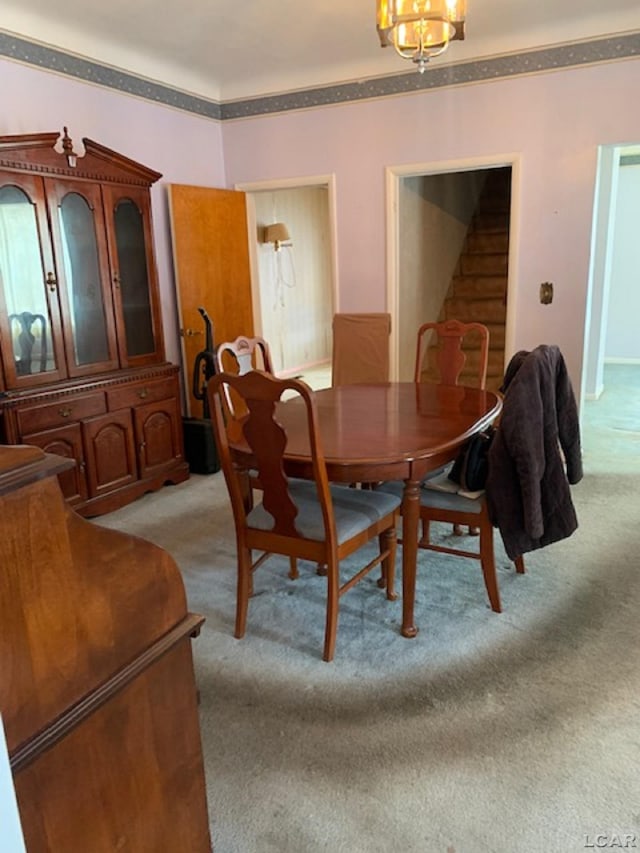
(470, 469)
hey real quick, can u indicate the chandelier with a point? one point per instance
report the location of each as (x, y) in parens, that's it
(420, 29)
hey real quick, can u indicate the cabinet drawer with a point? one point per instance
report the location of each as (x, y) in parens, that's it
(130, 396)
(66, 410)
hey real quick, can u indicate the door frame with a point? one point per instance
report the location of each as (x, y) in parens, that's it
(251, 187)
(393, 176)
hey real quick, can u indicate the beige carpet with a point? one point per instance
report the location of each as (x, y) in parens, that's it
(488, 733)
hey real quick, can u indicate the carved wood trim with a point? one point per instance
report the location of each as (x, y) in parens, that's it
(13, 399)
(36, 153)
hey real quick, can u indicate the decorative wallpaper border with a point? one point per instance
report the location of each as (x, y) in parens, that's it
(535, 61)
(52, 59)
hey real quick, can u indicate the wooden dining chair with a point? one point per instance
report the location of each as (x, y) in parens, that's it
(302, 519)
(458, 509)
(243, 354)
(446, 340)
(239, 357)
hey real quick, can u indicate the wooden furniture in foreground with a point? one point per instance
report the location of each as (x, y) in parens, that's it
(97, 688)
(82, 365)
(394, 431)
(306, 520)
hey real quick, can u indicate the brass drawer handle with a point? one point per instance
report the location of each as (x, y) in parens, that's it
(64, 413)
(143, 392)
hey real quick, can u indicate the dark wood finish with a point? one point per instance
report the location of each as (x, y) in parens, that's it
(66, 441)
(125, 435)
(450, 356)
(158, 434)
(111, 458)
(285, 534)
(97, 689)
(450, 360)
(113, 196)
(97, 341)
(56, 190)
(397, 431)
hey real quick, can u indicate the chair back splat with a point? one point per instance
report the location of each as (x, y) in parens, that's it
(450, 358)
(307, 519)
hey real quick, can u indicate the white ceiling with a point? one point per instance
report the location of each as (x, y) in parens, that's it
(227, 50)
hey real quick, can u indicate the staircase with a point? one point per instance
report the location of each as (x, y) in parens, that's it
(478, 289)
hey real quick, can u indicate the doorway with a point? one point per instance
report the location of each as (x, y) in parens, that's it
(429, 210)
(610, 398)
(294, 281)
(613, 300)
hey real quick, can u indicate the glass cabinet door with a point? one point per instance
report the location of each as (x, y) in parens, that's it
(77, 223)
(29, 311)
(130, 241)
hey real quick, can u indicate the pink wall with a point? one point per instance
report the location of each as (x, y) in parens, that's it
(553, 122)
(185, 148)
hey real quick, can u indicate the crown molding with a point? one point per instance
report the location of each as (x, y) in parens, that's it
(540, 60)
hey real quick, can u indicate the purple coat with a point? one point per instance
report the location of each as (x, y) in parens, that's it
(535, 453)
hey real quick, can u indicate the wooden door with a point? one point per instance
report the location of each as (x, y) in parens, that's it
(212, 270)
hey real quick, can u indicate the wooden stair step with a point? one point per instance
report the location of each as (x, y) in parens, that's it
(496, 335)
(488, 242)
(476, 311)
(479, 286)
(490, 222)
(489, 264)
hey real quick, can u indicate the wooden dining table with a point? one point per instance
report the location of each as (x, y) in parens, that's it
(393, 431)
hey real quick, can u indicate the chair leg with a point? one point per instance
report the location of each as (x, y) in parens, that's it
(333, 599)
(293, 569)
(243, 592)
(519, 565)
(389, 542)
(423, 542)
(487, 560)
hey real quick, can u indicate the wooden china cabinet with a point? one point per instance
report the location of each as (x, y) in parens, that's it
(83, 370)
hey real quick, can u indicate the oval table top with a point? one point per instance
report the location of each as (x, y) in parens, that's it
(392, 431)
(395, 430)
